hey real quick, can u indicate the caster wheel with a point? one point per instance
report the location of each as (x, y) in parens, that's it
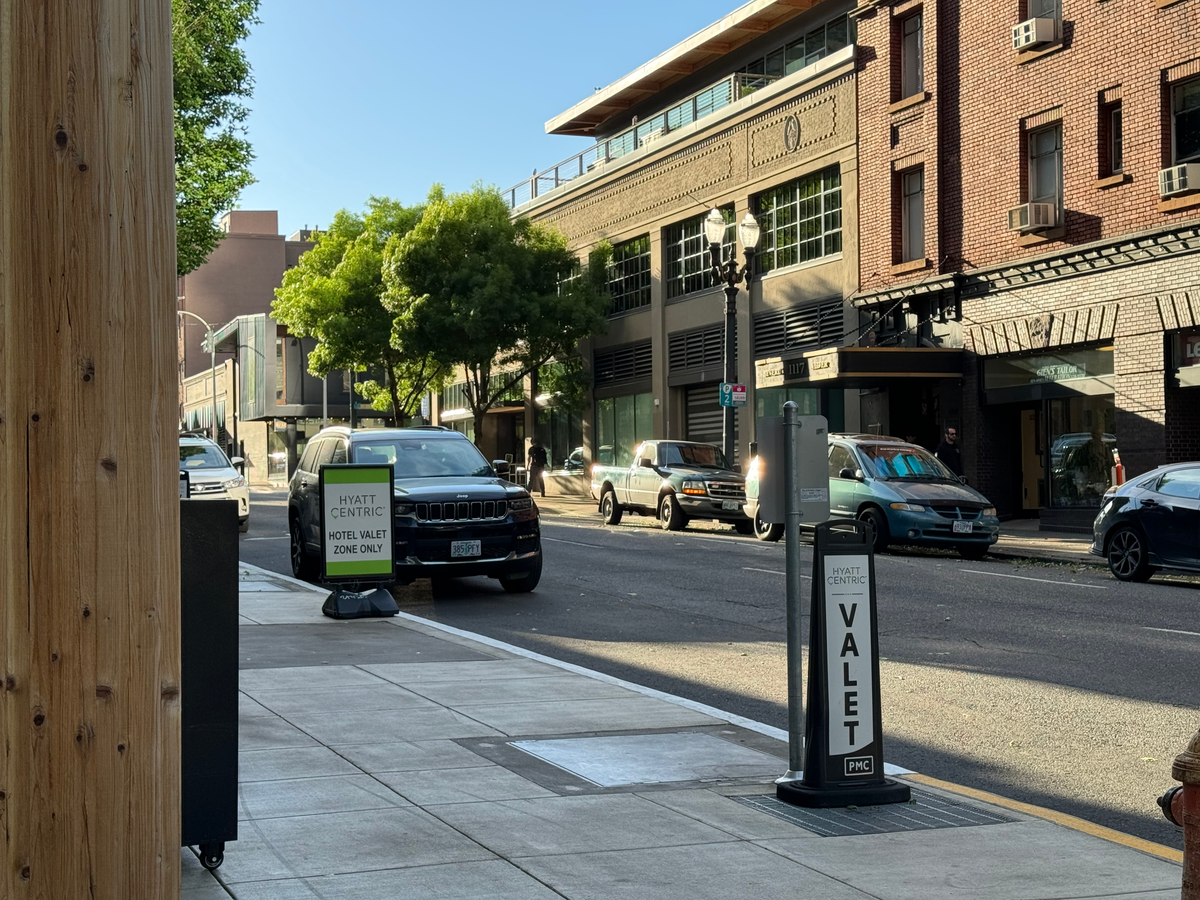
(211, 858)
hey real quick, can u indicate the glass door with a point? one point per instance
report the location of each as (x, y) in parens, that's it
(1081, 432)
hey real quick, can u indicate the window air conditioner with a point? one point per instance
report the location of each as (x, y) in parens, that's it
(1179, 179)
(650, 136)
(1032, 32)
(1032, 217)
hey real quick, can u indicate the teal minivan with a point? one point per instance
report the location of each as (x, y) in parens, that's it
(902, 490)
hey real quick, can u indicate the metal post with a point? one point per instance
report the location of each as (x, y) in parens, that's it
(352, 379)
(791, 536)
(731, 293)
(212, 359)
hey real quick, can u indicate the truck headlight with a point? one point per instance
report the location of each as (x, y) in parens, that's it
(908, 507)
(694, 487)
(238, 482)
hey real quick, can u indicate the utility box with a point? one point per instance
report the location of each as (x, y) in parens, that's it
(812, 470)
(209, 689)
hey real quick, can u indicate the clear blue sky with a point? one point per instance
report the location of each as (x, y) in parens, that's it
(386, 97)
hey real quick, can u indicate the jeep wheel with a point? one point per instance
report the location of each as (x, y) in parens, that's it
(524, 582)
(304, 566)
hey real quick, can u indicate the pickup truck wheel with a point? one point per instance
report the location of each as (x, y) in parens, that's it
(670, 516)
(767, 531)
(610, 509)
(525, 582)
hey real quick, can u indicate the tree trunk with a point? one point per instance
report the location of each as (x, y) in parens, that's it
(390, 366)
(89, 522)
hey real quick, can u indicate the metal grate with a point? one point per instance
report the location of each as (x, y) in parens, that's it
(631, 363)
(462, 512)
(798, 328)
(702, 348)
(926, 812)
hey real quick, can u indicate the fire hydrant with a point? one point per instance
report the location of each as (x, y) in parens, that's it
(1182, 806)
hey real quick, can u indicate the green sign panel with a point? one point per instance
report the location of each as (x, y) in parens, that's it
(357, 520)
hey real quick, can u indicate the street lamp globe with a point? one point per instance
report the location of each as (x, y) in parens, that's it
(714, 227)
(749, 232)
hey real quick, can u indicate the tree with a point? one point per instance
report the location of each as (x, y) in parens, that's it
(334, 294)
(212, 158)
(495, 297)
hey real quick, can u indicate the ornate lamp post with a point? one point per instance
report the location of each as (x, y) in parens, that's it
(728, 273)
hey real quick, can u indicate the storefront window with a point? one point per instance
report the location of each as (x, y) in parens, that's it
(561, 433)
(1083, 449)
(769, 401)
(621, 424)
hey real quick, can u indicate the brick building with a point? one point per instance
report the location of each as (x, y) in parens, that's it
(1007, 258)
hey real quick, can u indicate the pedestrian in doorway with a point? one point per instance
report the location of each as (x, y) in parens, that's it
(949, 453)
(537, 467)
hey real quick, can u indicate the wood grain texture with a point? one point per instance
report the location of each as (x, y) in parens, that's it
(89, 516)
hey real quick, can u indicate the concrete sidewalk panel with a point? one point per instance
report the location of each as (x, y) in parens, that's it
(1020, 861)
(720, 812)
(358, 642)
(483, 672)
(286, 764)
(580, 716)
(519, 828)
(342, 843)
(298, 678)
(520, 690)
(494, 880)
(270, 733)
(196, 882)
(367, 726)
(313, 796)
(283, 609)
(381, 695)
(248, 708)
(440, 786)
(712, 872)
(409, 756)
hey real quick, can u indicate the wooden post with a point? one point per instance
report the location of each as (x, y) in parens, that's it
(89, 520)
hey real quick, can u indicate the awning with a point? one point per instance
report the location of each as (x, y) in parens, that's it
(847, 367)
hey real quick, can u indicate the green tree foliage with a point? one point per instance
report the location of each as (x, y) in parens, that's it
(485, 294)
(212, 158)
(334, 294)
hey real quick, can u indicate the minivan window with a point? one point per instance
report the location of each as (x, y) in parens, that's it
(840, 458)
(202, 456)
(902, 461)
(438, 458)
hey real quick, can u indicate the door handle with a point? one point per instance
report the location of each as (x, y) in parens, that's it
(1149, 504)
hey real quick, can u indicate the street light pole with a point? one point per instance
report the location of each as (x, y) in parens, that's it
(212, 358)
(731, 275)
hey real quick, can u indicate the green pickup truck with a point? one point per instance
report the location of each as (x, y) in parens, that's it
(675, 481)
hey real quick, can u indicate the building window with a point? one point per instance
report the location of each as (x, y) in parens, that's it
(1112, 154)
(629, 276)
(688, 263)
(622, 423)
(801, 220)
(912, 56)
(1045, 165)
(806, 50)
(1185, 121)
(912, 215)
(1044, 9)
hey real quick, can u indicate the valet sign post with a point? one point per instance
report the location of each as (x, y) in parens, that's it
(358, 545)
(843, 761)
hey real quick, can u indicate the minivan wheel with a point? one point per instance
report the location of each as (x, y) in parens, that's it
(973, 551)
(1128, 558)
(767, 531)
(304, 566)
(877, 522)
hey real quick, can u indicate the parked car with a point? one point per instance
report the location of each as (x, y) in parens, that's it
(214, 476)
(1151, 523)
(456, 515)
(675, 481)
(902, 491)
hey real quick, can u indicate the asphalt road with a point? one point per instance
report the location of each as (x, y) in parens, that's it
(1061, 688)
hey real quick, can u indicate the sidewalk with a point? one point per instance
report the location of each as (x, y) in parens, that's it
(394, 758)
(1019, 538)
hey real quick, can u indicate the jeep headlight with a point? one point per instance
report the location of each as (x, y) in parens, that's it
(694, 487)
(522, 503)
(238, 482)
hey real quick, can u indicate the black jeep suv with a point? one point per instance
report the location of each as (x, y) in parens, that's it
(455, 516)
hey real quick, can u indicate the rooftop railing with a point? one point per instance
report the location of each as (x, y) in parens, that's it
(696, 107)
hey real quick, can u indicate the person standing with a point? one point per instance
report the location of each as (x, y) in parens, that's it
(537, 467)
(949, 452)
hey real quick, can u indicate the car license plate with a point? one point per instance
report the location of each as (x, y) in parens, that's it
(461, 549)
(730, 504)
(961, 527)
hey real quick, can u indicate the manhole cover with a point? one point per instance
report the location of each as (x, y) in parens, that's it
(927, 811)
(653, 758)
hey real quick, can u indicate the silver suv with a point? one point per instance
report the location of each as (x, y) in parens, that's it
(212, 475)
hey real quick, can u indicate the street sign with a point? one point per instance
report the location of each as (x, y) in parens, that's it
(811, 470)
(357, 518)
(733, 394)
(843, 759)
